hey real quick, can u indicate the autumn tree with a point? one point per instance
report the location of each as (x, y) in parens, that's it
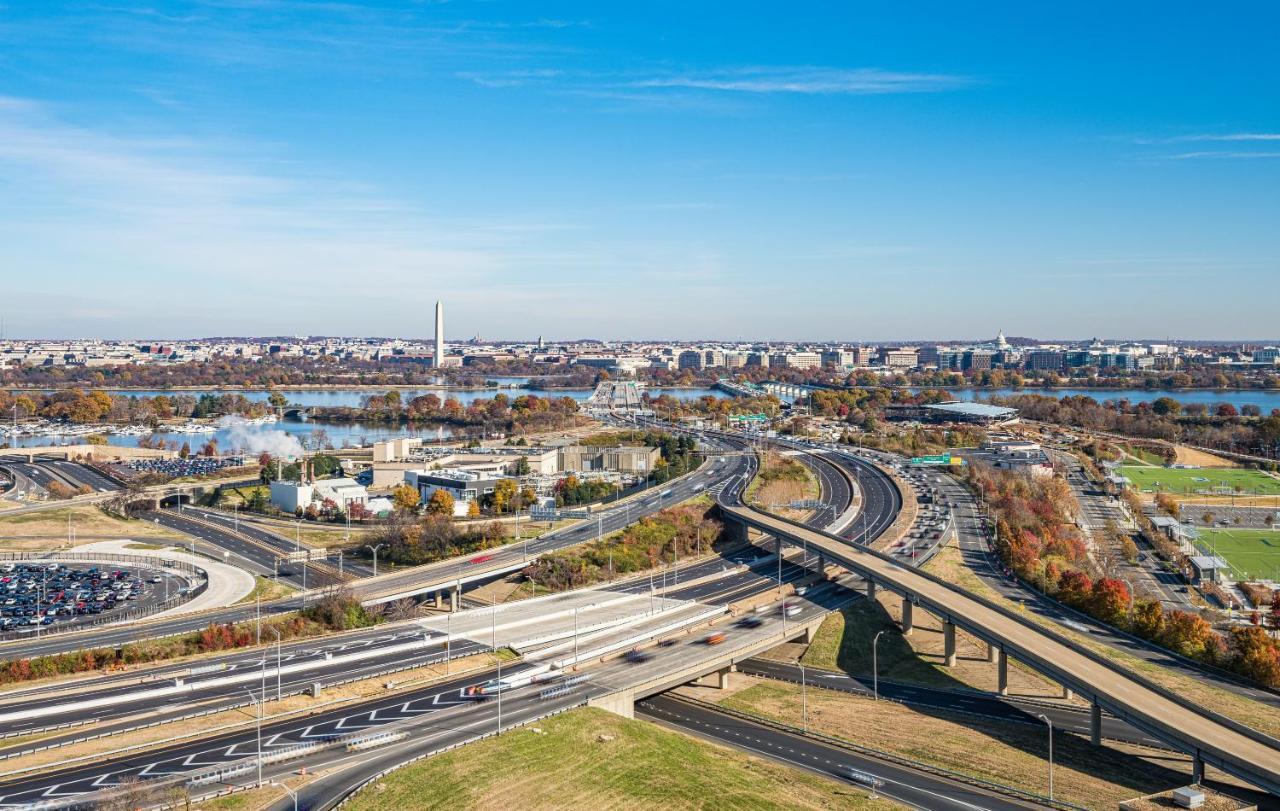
(440, 503)
(405, 498)
(1148, 619)
(1109, 601)
(1256, 655)
(1186, 633)
(503, 493)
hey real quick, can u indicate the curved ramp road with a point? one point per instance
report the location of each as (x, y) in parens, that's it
(912, 788)
(1251, 757)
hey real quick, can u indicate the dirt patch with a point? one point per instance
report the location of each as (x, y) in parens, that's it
(1182, 455)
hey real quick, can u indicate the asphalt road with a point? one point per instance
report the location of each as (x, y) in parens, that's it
(908, 786)
(441, 575)
(226, 748)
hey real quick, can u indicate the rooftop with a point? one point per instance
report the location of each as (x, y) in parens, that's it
(974, 410)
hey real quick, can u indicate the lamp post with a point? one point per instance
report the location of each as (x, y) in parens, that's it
(493, 643)
(1050, 723)
(259, 703)
(374, 549)
(279, 693)
(804, 700)
(291, 794)
(875, 670)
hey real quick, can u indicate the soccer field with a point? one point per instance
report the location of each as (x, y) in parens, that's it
(1201, 480)
(1255, 553)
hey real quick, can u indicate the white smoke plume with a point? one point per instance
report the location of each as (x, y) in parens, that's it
(254, 439)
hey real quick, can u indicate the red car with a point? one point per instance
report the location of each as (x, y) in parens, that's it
(481, 559)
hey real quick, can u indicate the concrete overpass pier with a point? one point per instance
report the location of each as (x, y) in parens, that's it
(949, 643)
(1002, 669)
(1095, 724)
(908, 617)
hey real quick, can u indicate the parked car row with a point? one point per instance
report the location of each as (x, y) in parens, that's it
(40, 594)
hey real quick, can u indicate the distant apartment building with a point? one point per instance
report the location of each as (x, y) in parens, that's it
(839, 358)
(690, 359)
(927, 356)
(1046, 361)
(796, 360)
(862, 355)
(901, 358)
(1270, 356)
(977, 360)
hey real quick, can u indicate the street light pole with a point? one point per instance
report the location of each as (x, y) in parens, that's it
(875, 670)
(804, 700)
(259, 703)
(374, 549)
(1050, 723)
(279, 693)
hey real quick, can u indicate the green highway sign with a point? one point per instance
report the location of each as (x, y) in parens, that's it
(939, 459)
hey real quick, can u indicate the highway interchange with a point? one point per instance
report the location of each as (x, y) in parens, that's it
(724, 480)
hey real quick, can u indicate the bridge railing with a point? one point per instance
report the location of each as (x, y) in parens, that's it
(1050, 633)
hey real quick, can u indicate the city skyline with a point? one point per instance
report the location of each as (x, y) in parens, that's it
(642, 173)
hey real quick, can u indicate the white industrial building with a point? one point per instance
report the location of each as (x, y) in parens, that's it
(293, 496)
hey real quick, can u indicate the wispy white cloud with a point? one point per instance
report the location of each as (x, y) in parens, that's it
(83, 204)
(650, 86)
(1218, 155)
(809, 81)
(1226, 137)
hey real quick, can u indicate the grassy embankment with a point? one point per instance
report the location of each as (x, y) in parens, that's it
(1007, 753)
(47, 529)
(591, 759)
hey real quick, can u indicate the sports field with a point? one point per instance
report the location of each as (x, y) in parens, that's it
(1201, 480)
(1254, 553)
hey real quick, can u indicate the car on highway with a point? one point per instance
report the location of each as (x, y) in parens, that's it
(715, 638)
(636, 656)
(750, 621)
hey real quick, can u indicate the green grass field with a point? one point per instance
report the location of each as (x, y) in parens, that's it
(1201, 480)
(587, 758)
(1255, 553)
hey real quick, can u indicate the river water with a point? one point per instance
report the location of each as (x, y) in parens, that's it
(317, 434)
(356, 433)
(1266, 400)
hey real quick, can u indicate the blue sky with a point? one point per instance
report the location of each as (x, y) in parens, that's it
(664, 169)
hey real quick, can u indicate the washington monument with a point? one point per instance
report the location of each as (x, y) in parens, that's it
(439, 362)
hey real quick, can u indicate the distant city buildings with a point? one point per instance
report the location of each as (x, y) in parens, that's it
(631, 358)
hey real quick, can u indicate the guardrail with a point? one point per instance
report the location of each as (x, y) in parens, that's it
(105, 557)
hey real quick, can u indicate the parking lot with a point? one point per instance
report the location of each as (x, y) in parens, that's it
(178, 468)
(37, 594)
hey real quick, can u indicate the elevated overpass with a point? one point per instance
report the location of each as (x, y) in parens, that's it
(1208, 737)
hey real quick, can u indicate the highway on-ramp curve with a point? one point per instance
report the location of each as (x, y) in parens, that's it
(709, 476)
(1249, 755)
